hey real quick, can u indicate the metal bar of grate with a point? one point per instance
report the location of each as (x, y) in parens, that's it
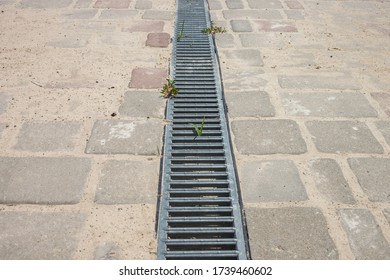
(200, 214)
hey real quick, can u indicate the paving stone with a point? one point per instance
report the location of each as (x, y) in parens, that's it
(265, 4)
(248, 79)
(224, 40)
(387, 214)
(71, 42)
(45, 4)
(42, 180)
(330, 181)
(267, 181)
(249, 104)
(128, 182)
(317, 82)
(112, 4)
(80, 14)
(143, 104)
(143, 4)
(2, 128)
(343, 137)
(39, 236)
(48, 136)
(214, 5)
(294, 14)
(158, 15)
(116, 14)
(326, 104)
(374, 176)
(148, 78)
(275, 26)
(158, 40)
(289, 233)
(108, 250)
(3, 102)
(266, 40)
(82, 4)
(364, 234)
(261, 137)
(384, 128)
(241, 25)
(234, 4)
(293, 4)
(384, 101)
(242, 58)
(252, 14)
(140, 137)
(145, 26)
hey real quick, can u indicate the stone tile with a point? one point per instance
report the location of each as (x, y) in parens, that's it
(107, 250)
(3, 102)
(325, 104)
(241, 25)
(266, 40)
(80, 14)
(158, 40)
(384, 128)
(265, 4)
(83, 3)
(249, 104)
(45, 4)
(234, 4)
(41, 180)
(343, 137)
(317, 82)
(240, 79)
(262, 137)
(143, 4)
(384, 101)
(374, 176)
(128, 182)
(145, 26)
(224, 40)
(275, 26)
(141, 137)
(48, 136)
(242, 58)
(330, 181)
(271, 181)
(112, 4)
(214, 5)
(143, 104)
(117, 14)
(148, 78)
(252, 14)
(293, 4)
(294, 14)
(158, 15)
(365, 236)
(289, 233)
(39, 236)
(70, 43)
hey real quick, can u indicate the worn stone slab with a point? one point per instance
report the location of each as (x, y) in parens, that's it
(271, 181)
(80, 14)
(143, 104)
(45, 4)
(234, 4)
(71, 42)
(112, 4)
(116, 14)
(343, 137)
(243, 79)
(224, 40)
(289, 233)
(262, 137)
(83, 3)
(364, 234)
(48, 136)
(148, 78)
(374, 176)
(42, 180)
(145, 26)
(108, 250)
(143, 4)
(39, 236)
(3, 102)
(242, 58)
(294, 14)
(325, 104)
(319, 81)
(140, 137)
(265, 4)
(265, 40)
(158, 40)
(249, 104)
(275, 26)
(158, 15)
(384, 128)
(383, 100)
(293, 4)
(214, 5)
(128, 182)
(252, 14)
(241, 25)
(330, 181)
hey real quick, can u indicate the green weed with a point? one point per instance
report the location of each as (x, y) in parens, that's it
(169, 89)
(199, 130)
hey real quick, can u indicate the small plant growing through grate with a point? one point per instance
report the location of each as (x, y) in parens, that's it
(181, 32)
(213, 30)
(169, 89)
(199, 130)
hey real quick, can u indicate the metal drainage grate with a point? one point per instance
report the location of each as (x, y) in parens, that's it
(200, 216)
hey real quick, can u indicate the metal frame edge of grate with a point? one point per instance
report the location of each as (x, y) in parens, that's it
(200, 214)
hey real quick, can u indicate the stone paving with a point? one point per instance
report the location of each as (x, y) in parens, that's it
(307, 86)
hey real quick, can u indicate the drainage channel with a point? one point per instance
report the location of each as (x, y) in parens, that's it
(200, 214)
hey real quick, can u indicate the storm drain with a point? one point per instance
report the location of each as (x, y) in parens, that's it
(200, 215)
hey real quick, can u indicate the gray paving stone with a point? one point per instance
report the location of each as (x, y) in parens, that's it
(249, 104)
(108, 250)
(42, 180)
(39, 236)
(214, 5)
(115, 14)
(374, 176)
(83, 3)
(266, 40)
(242, 58)
(317, 82)
(252, 14)
(265, 4)
(3, 102)
(243, 79)
(143, 4)
(80, 14)
(45, 4)
(224, 40)
(289, 233)
(140, 137)
(241, 25)
(71, 42)
(128, 182)
(293, 14)
(158, 15)
(48, 136)
(262, 137)
(143, 104)
(330, 181)
(383, 100)
(234, 4)
(365, 236)
(343, 137)
(384, 128)
(325, 104)
(267, 181)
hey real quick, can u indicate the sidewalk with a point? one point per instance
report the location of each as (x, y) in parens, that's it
(307, 85)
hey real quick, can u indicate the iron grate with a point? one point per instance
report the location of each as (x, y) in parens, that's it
(200, 215)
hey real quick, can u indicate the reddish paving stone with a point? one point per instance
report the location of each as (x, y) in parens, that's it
(158, 40)
(148, 78)
(293, 4)
(145, 26)
(384, 101)
(112, 4)
(275, 26)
